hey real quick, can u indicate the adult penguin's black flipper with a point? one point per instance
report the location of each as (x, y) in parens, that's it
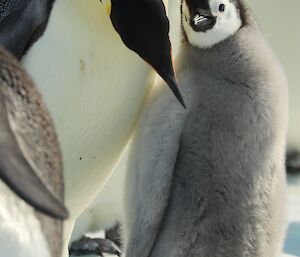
(22, 22)
(29, 152)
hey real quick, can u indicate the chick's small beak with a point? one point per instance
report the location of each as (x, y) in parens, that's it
(202, 20)
(197, 19)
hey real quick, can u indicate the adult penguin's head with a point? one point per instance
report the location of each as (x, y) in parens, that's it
(144, 28)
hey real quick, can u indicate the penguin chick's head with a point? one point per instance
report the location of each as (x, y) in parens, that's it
(208, 22)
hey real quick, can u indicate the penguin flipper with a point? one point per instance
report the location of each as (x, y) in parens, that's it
(17, 173)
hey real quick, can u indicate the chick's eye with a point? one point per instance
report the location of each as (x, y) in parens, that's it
(221, 7)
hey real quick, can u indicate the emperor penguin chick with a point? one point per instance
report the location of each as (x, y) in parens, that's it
(30, 167)
(210, 181)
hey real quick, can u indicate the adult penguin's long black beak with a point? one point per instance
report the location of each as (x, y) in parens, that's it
(144, 28)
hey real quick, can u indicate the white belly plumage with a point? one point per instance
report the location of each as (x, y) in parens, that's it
(107, 208)
(94, 88)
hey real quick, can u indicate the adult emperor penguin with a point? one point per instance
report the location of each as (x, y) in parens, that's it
(210, 180)
(30, 166)
(92, 84)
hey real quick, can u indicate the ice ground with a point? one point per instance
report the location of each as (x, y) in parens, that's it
(292, 242)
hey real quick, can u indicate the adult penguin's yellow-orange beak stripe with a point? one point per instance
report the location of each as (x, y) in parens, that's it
(107, 6)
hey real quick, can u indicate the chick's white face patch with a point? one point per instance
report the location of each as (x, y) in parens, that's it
(228, 21)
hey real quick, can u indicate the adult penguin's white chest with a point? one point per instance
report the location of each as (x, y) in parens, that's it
(94, 87)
